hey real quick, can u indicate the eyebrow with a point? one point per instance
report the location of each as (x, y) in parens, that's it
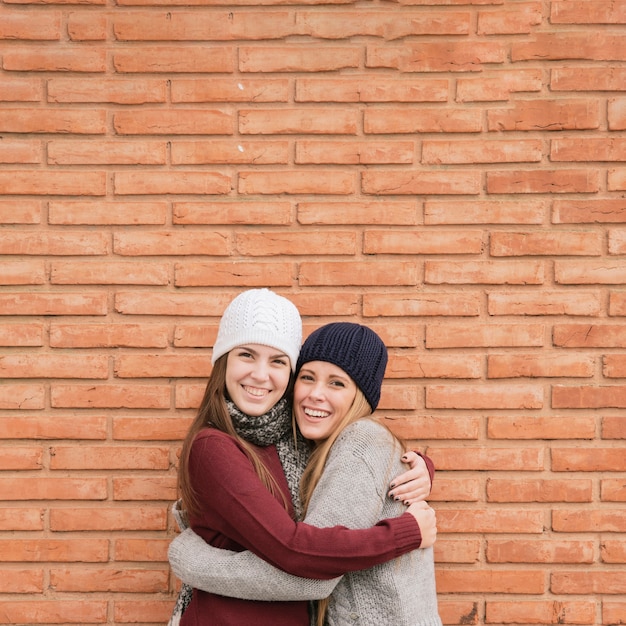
(272, 356)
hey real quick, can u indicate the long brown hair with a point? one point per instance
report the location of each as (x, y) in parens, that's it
(213, 413)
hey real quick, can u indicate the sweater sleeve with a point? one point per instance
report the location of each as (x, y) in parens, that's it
(237, 505)
(239, 574)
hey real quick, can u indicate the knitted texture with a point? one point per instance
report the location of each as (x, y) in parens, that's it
(263, 317)
(356, 349)
(352, 493)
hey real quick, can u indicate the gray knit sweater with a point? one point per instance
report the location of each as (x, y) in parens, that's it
(352, 492)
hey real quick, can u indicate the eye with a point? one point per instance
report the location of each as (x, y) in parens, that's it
(244, 354)
(282, 362)
(338, 383)
(306, 377)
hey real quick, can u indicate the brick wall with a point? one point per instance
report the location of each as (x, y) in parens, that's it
(451, 172)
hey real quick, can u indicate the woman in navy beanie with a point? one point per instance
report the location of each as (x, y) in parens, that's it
(339, 375)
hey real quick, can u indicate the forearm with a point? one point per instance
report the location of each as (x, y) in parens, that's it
(238, 574)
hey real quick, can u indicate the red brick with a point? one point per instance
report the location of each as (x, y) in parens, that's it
(589, 211)
(297, 182)
(450, 56)
(587, 12)
(364, 212)
(496, 459)
(295, 243)
(587, 79)
(229, 151)
(80, 579)
(216, 89)
(107, 519)
(169, 244)
(21, 335)
(295, 121)
(419, 182)
(498, 85)
(556, 46)
(55, 612)
(230, 274)
(487, 397)
(575, 427)
(230, 212)
(56, 427)
(168, 60)
(375, 88)
(108, 335)
(483, 212)
(435, 120)
(158, 122)
(353, 152)
(614, 428)
(539, 551)
(572, 521)
(148, 489)
(422, 242)
(589, 272)
(114, 91)
(539, 490)
(55, 550)
(544, 366)
(294, 59)
(552, 244)
(434, 366)
(20, 211)
(544, 181)
(604, 583)
(491, 581)
(357, 273)
(484, 272)
(44, 488)
(416, 304)
(588, 396)
(545, 303)
(518, 19)
(26, 60)
(22, 273)
(106, 153)
(490, 335)
(545, 612)
(139, 182)
(546, 115)
(55, 183)
(103, 213)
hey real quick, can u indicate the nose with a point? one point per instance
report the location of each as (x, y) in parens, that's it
(316, 392)
(260, 370)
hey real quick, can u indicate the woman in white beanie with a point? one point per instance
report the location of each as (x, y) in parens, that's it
(240, 468)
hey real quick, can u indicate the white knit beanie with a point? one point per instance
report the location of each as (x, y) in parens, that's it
(260, 316)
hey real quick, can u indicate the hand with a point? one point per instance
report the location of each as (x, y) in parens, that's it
(414, 485)
(427, 521)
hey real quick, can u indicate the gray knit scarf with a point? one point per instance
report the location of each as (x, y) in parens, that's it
(274, 427)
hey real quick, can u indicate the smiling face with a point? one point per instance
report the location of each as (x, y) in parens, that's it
(323, 394)
(256, 377)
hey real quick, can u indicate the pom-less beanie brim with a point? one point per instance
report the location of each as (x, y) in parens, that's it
(263, 317)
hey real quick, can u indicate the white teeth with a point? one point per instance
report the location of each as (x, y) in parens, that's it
(312, 413)
(254, 391)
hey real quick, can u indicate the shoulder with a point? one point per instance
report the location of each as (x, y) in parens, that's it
(365, 437)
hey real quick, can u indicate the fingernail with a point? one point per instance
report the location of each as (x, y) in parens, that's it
(392, 485)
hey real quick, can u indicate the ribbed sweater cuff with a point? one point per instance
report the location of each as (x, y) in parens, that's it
(407, 534)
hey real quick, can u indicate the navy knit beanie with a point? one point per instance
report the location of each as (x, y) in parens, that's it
(356, 349)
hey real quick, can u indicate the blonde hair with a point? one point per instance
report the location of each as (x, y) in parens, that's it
(315, 467)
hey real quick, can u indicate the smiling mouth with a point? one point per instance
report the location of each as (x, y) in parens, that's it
(255, 391)
(316, 413)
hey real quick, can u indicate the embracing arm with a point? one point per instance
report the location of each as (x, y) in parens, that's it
(241, 509)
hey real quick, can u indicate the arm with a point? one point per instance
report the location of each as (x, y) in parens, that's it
(241, 509)
(238, 574)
